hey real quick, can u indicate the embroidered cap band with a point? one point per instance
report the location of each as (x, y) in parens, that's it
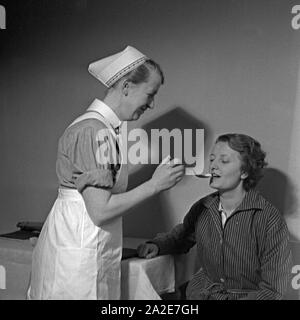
(110, 69)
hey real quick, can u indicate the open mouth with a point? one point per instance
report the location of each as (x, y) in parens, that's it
(214, 175)
(143, 109)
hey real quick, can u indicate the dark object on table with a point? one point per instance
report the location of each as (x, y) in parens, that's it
(28, 229)
(21, 234)
(30, 226)
(26, 233)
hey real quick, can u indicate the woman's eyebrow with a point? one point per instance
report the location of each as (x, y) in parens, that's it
(224, 155)
(221, 155)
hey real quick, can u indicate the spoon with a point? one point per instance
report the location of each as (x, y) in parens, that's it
(203, 175)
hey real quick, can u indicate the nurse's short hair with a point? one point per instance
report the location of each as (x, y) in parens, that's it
(252, 156)
(141, 73)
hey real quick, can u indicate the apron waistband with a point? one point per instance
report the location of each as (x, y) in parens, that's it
(69, 194)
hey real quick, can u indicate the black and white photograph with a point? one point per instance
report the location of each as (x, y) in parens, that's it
(150, 151)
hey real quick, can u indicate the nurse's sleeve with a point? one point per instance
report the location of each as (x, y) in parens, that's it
(90, 169)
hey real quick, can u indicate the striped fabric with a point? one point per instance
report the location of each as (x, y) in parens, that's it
(248, 258)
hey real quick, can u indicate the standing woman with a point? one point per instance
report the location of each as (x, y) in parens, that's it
(79, 250)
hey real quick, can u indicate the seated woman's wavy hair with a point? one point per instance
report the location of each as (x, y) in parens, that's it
(252, 156)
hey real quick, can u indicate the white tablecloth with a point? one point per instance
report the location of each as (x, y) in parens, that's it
(141, 278)
(146, 279)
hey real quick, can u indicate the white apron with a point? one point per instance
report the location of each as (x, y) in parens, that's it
(73, 258)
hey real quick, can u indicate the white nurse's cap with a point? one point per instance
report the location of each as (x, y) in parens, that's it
(110, 69)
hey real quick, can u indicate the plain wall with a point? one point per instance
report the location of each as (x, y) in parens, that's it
(230, 66)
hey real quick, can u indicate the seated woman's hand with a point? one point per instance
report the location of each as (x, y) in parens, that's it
(147, 250)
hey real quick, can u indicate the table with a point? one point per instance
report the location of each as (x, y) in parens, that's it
(146, 279)
(143, 279)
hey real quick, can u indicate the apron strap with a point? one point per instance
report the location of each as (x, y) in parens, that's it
(92, 114)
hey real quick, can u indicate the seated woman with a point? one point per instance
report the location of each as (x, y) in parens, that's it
(242, 239)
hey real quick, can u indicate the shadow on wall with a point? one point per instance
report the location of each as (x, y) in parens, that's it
(147, 219)
(279, 190)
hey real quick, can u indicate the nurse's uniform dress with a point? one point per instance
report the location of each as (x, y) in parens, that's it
(73, 258)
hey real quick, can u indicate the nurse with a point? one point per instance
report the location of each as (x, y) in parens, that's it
(79, 250)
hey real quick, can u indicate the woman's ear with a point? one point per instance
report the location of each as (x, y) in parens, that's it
(244, 175)
(125, 87)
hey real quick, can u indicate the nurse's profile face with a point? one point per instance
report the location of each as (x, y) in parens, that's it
(141, 96)
(225, 166)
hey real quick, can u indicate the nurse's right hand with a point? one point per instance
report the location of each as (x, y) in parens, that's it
(147, 250)
(167, 174)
